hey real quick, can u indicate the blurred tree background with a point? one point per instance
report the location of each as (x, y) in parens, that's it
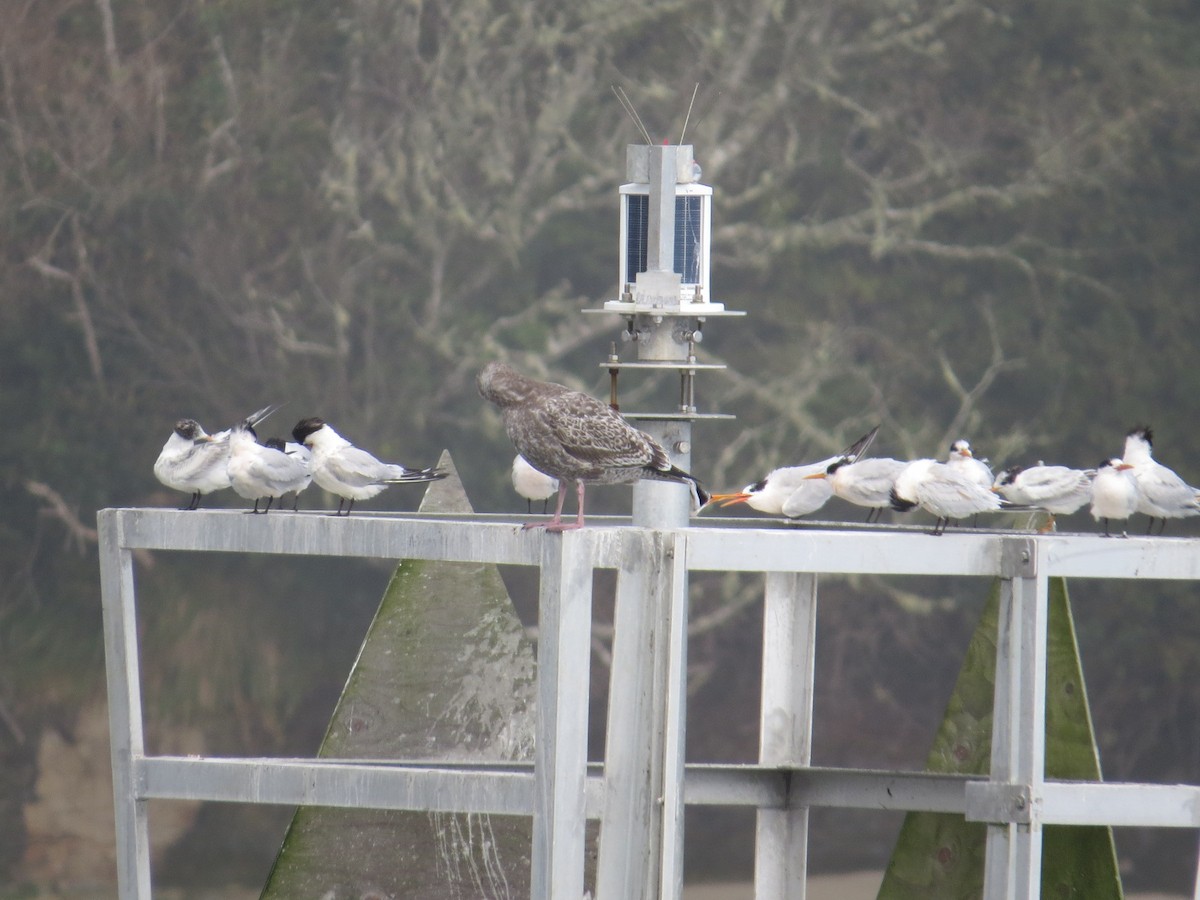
(956, 218)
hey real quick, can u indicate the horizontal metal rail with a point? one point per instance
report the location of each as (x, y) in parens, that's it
(492, 539)
(562, 790)
(507, 789)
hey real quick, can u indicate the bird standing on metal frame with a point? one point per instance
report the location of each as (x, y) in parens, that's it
(575, 438)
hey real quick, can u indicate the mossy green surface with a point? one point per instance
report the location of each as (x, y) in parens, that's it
(940, 856)
(445, 672)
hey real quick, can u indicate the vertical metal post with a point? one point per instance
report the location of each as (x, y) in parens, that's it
(641, 834)
(1196, 884)
(1013, 869)
(664, 504)
(560, 754)
(660, 220)
(124, 709)
(785, 730)
(675, 590)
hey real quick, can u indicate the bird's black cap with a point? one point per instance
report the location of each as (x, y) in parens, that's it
(305, 427)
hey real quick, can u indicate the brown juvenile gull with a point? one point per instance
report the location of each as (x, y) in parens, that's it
(574, 438)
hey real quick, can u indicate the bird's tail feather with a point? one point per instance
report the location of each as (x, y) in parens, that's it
(401, 475)
(677, 475)
(901, 504)
(859, 447)
(261, 415)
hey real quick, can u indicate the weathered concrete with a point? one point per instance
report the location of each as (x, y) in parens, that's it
(445, 672)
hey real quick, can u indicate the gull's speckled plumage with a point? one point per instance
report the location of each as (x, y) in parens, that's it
(574, 437)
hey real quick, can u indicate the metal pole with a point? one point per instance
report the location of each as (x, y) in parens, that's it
(560, 753)
(660, 222)
(1012, 870)
(124, 708)
(785, 729)
(642, 824)
(658, 504)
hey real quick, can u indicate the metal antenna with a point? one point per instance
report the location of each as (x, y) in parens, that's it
(629, 108)
(695, 91)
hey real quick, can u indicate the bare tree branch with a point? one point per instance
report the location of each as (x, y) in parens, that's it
(80, 536)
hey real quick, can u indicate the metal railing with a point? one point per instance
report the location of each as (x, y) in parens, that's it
(640, 792)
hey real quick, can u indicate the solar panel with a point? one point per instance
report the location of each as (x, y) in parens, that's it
(689, 236)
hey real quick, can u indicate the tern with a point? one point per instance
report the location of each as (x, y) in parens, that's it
(961, 459)
(1115, 493)
(867, 482)
(296, 451)
(795, 491)
(258, 471)
(1059, 490)
(532, 484)
(1162, 494)
(942, 490)
(348, 471)
(196, 462)
(575, 438)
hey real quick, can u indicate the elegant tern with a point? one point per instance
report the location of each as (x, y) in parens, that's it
(348, 471)
(531, 484)
(941, 490)
(296, 451)
(1059, 490)
(795, 491)
(1162, 494)
(196, 462)
(261, 471)
(962, 460)
(1114, 493)
(867, 482)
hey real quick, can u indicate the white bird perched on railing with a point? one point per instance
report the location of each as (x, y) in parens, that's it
(867, 482)
(1059, 490)
(348, 471)
(941, 490)
(296, 451)
(196, 462)
(531, 484)
(1114, 493)
(962, 459)
(260, 471)
(1162, 494)
(575, 437)
(793, 491)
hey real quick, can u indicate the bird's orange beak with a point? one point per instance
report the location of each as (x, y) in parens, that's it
(815, 475)
(729, 499)
(1123, 466)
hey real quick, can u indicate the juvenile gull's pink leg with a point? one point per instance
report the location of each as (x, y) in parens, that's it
(559, 525)
(554, 523)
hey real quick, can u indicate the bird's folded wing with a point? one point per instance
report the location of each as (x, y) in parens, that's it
(279, 471)
(593, 433)
(355, 467)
